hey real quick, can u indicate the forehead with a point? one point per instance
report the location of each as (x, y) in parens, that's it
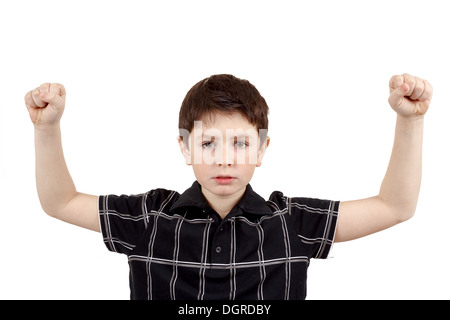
(224, 121)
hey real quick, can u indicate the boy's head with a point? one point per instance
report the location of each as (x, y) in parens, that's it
(223, 132)
(226, 94)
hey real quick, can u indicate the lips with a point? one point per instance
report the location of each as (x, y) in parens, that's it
(224, 179)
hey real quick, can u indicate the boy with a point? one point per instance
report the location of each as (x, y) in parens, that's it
(219, 239)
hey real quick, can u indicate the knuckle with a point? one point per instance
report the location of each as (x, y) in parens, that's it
(44, 86)
(429, 86)
(410, 80)
(58, 88)
(421, 85)
(394, 78)
(27, 97)
(396, 81)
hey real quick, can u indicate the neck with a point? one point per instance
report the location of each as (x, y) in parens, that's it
(222, 204)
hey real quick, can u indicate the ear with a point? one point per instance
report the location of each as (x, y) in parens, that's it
(262, 151)
(184, 150)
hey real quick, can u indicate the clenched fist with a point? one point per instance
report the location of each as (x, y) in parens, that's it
(46, 103)
(409, 95)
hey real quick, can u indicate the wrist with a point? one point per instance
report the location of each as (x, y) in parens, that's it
(412, 119)
(411, 126)
(47, 129)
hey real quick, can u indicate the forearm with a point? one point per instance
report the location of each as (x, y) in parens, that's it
(54, 184)
(400, 188)
(396, 202)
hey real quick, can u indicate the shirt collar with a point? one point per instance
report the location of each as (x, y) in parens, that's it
(250, 202)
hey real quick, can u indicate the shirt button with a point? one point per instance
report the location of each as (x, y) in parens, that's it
(218, 249)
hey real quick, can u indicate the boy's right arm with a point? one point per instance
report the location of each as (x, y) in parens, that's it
(57, 193)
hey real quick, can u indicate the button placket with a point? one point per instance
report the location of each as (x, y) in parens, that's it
(218, 248)
(219, 242)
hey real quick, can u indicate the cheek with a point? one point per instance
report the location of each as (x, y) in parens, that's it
(201, 172)
(200, 156)
(251, 156)
(246, 170)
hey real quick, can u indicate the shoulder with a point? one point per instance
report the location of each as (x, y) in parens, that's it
(155, 199)
(313, 220)
(161, 195)
(279, 202)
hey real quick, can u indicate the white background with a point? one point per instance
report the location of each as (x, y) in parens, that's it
(322, 66)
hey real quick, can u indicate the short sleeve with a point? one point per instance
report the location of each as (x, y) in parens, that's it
(122, 221)
(315, 221)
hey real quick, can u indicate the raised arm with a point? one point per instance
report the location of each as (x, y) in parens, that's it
(57, 193)
(396, 202)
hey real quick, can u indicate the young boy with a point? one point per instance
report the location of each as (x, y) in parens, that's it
(219, 239)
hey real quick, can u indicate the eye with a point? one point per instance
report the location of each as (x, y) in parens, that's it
(241, 144)
(208, 145)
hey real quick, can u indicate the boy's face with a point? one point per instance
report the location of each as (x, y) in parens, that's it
(224, 152)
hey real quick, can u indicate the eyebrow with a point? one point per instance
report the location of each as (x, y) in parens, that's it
(208, 137)
(244, 137)
(240, 136)
(235, 137)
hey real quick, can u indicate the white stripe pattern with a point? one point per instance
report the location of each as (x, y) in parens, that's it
(185, 255)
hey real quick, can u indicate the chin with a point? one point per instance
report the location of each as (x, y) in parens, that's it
(225, 189)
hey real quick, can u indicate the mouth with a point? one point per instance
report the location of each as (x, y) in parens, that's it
(224, 179)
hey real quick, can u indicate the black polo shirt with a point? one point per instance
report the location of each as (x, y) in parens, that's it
(178, 247)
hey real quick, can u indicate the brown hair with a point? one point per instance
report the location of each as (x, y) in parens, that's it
(223, 93)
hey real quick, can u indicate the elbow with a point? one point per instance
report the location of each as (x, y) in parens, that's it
(399, 212)
(54, 207)
(404, 214)
(51, 210)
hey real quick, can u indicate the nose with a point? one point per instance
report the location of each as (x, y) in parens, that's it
(226, 159)
(224, 164)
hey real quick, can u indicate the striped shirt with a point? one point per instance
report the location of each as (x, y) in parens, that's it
(178, 247)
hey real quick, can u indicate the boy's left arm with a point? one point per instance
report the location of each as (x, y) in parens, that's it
(396, 202)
